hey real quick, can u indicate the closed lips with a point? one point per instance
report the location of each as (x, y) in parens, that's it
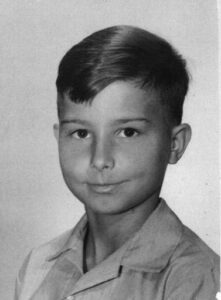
(104, 188)
(105, 184)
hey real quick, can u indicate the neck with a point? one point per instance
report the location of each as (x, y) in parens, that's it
(108, 232)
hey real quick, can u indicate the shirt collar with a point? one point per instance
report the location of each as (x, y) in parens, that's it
(73, 240)
(153, 245)
(149, 250)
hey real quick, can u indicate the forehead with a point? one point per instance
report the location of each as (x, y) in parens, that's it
(119, 99)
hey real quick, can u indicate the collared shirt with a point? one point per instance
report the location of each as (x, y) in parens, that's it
(163, 260)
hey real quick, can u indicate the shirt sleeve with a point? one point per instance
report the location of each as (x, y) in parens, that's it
(20, 278)
(193, 282)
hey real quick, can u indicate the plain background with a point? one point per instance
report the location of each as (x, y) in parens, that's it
(35, 204)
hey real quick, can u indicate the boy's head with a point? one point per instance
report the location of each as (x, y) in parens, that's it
(124, 53)
(120, 97)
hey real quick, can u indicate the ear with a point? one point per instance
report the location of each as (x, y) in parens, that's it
(181, 136)
(56, 131)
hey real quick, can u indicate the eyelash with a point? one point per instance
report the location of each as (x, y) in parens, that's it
(121, 133)
(129, 130)
(75, 134)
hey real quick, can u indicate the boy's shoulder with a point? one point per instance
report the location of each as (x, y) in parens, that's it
(172, 241)
(193, 255)
(62, 242)
(53, 246)
(191, 245)
(41, 259)
(191, 248)
(192, 261)
(193, 266)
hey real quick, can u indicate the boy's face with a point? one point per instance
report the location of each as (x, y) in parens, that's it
(114, 151)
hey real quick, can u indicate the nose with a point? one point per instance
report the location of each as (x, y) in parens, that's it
(102, 154)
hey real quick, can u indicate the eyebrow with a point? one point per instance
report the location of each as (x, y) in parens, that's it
(118, 121)
(76, 121)
(128, 120)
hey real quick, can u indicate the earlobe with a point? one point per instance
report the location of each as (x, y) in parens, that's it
(56, 131)
(181, 136)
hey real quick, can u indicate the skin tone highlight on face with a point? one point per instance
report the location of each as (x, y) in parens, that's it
(114, 153)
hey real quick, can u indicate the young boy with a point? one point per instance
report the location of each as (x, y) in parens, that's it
(120, 98)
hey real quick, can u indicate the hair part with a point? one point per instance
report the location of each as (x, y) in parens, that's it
(124, 53)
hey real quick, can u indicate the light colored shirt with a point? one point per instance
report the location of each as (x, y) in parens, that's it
(163, 260)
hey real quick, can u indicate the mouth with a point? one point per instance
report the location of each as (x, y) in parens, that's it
(105, 188)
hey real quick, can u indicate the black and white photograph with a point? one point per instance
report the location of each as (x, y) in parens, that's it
(109, 157)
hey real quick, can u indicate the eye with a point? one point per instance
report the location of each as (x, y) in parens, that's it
(81, 134)
(128, 132)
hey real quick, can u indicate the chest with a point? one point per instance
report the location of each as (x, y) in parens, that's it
(129, 285)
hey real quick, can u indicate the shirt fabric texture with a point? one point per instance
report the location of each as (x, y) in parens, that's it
(164, 260)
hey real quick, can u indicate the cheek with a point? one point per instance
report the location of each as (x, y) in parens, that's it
(73, 159)
(145, 157)
(131, 159)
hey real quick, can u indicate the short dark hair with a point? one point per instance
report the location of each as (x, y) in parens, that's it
(124, 53)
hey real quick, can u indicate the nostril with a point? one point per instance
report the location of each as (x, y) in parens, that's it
(102, 161)
(101, 164)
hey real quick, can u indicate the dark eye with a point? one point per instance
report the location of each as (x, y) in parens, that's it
(128, 132)
(81, 134)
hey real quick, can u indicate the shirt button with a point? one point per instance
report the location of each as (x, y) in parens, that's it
(70, 298)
